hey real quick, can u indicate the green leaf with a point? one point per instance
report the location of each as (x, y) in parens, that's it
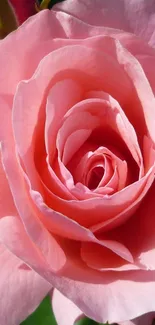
(44, 316)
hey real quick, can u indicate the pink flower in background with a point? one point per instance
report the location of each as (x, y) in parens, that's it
(23, 9)
(77, 167)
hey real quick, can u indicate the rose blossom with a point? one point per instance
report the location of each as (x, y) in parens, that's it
(78, 162)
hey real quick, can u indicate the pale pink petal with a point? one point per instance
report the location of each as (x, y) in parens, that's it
(140, 83)
(148, 153)
(59, 223)
(12, 233)
(114, 182)
(146, 319)
(65, 311)
(51, 218)
(77, 121)
(28, 119)
(94, 299)
(100, 258)
(7, 206)
(82, 167)
(147, 62)
(39, 83)
(94, 293)
(123, 216)
(62, 96)
(82, 192)
(101, 13)
(80, 120)
(135, 16)
(22, 289)
(114, 246)
(5, 116)
(115, 161)
(27, 53)
(27, 211)
(89, 69)
(141, 241)
(117, 120)
(73, 144)
(140, 15)
(119, 206)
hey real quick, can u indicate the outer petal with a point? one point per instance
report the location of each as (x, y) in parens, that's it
(21, 289)
(96, 299)
(38, 233)
(141, 241)
(65, 311)
(93, 293)
(135, 16)
(98, 12)
(146, 319)
(7, 206)
(43, 28)
(140, 14)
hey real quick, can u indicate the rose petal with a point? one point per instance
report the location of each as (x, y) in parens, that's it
(50, 217)
(114, 246)
(143, 12)
(73, 144)
(100, 13)
(147, 62)
(146, 319)
(65, 311)
(80, 120)
(59, 100)
(100, 258)
(38, 233)
(141, 241)
(59, 223)
(133, 16)
(39, 83)
(56, 25)
(21, 287)
(123, 216)
(121, 204)
(106, 289)
(7, 206)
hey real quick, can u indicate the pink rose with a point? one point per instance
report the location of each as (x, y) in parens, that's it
(77, 168)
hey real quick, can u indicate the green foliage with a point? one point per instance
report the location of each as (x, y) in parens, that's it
(44, 316)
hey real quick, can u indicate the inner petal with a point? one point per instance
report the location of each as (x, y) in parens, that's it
(112, 117)
(94, 177)
(63, 95)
